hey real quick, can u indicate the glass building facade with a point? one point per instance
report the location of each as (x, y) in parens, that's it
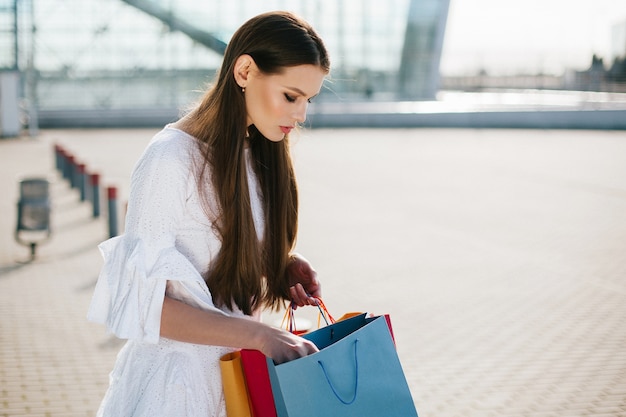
(119, 57)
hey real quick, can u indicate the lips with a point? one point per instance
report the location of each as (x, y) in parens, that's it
(286, 129)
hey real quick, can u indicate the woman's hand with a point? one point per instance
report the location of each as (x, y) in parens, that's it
(303, 283)
(283, 346)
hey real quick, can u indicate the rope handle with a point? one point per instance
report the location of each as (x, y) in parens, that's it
(328, 319)
(356, 378)
(290, 319)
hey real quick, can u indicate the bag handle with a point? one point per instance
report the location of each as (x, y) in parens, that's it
(356, 378)
(324, 314)
(290, 319)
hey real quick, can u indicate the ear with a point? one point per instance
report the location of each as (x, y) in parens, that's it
(244, 65)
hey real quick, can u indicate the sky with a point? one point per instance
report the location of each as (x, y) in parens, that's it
(549, 36)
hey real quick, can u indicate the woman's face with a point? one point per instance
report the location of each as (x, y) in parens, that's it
(276, 103)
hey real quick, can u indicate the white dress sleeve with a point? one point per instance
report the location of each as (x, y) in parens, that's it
(128, 297)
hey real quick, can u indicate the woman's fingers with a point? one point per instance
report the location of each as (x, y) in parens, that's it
(300, 297)
(285, 347)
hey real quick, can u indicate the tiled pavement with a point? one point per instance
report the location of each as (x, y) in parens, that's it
(500, 254)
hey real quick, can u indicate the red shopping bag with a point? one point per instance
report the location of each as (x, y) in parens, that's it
(261, 399)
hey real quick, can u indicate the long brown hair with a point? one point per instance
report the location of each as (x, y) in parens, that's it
(246, 272)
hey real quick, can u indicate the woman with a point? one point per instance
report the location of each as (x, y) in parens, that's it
(210, 229)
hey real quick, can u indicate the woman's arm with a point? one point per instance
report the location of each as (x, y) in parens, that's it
(185, 323)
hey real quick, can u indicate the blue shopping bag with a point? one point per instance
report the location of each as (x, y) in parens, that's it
(356, 373)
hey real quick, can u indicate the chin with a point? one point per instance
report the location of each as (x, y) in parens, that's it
(275, 137)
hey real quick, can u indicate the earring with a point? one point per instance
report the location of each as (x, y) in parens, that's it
(243, 89)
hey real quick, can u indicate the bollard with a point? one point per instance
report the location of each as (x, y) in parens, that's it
(33, 213)
(112, 198)
(81, 177)
(75, 181)
(70, 170)
(58, 158)
(94, 183)
(64, 156)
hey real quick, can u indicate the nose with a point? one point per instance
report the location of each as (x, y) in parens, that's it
(300, 112)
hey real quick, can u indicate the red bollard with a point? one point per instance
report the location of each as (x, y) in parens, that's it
(71, 169)
(94, 185)
(112, 198)
(67, 165)
(81, 179)
(58, 158)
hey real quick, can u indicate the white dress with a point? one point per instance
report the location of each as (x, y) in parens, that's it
(166, 247)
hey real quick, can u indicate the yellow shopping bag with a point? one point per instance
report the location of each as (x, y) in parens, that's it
(234, 383)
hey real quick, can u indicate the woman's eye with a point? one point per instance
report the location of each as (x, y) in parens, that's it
(289, 98)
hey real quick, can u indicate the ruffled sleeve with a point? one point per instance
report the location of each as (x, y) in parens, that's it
(128, 297)
(129, 293)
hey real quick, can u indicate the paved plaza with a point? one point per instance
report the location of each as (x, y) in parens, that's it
(500, 255)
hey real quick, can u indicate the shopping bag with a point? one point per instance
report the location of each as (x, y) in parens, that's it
(234, 384)
(357, 372)
(247, 388)
(261, 399)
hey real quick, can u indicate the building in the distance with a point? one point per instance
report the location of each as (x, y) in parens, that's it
(141, 61)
